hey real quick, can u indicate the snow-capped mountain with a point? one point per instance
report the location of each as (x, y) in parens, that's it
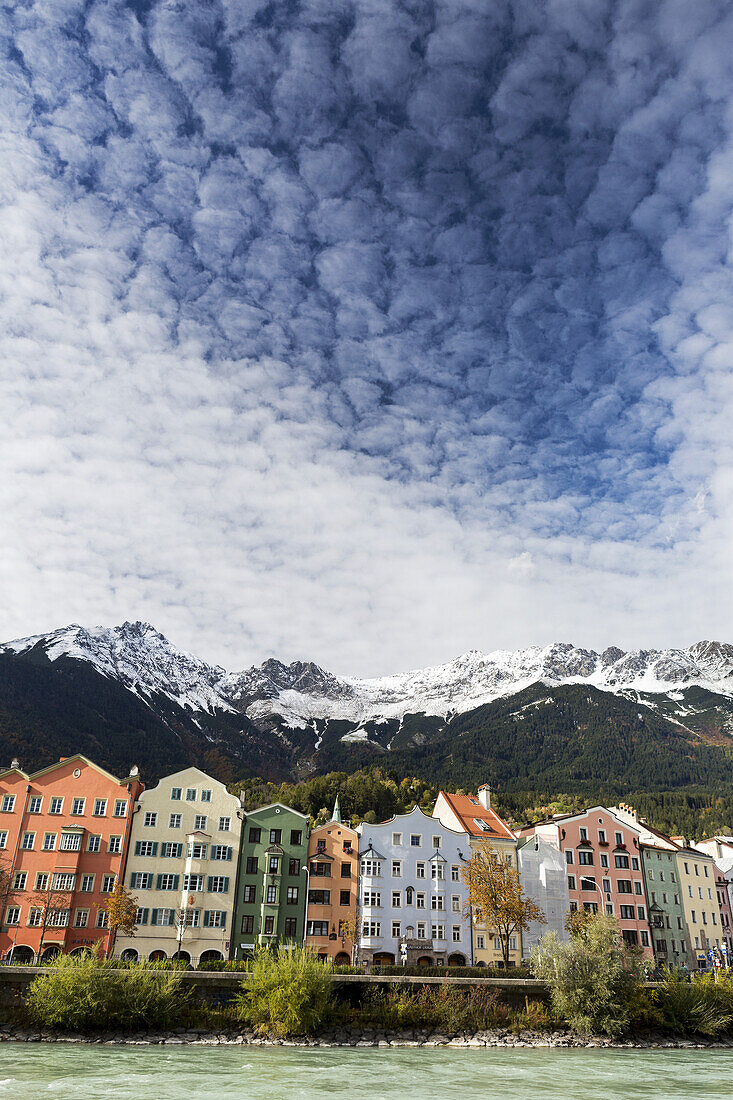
(144, 661)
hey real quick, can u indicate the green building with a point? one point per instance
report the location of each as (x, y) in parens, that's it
(272, 886)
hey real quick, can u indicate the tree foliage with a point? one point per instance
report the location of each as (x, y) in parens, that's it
(121, 910)
(495, 896)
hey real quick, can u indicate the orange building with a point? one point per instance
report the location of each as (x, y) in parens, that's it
(333, 865)
(64, 832)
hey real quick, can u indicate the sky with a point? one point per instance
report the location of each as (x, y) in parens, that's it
(365, 331)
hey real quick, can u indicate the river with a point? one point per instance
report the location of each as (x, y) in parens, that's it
(298, 1073)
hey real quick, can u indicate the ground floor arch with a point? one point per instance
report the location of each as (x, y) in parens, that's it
(425, 960)
(383, 958)
(50, 952)
(456, 959)
(181, 956)
(129, 955)
(20, 953)
(157, 956)
(342, 959)
(211, 956)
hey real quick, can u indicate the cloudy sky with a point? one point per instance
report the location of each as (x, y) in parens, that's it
(367, 331)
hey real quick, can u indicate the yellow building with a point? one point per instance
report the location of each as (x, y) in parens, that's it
(696, 873)
(475, 817)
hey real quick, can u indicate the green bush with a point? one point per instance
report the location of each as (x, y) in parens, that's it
(226, 965)
(703, 1003)
(288, 993)
(592, 978)
(442, 1007)
(451, 971)
(84, 992)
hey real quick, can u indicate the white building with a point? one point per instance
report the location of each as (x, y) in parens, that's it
(411, 896)
(182, 867)
(543, 874)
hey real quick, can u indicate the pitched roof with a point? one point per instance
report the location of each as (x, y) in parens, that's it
(470, 812)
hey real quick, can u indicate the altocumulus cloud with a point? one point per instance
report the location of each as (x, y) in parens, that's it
(367, 331)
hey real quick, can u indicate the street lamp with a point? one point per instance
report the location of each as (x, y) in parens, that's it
(587, 878)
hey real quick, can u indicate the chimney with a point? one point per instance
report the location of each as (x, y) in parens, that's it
(484, 796)
(15, 763)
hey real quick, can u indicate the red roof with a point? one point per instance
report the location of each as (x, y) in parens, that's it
(470, 810)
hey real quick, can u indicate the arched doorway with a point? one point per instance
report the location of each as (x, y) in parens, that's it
(425, 960)
(383, 958)
(210, 956)
(21, 954)
(456, 959)
(157, 956)
(181, 956)
(50, 952)
(79, 951)
(342, 959)
(129, 955)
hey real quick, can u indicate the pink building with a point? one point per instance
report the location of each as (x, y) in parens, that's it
(604, 869)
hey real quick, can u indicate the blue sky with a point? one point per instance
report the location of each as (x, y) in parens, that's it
(367, 332)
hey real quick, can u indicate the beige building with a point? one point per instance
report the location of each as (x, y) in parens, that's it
(483, 825)
(182, 868)
(696, 871)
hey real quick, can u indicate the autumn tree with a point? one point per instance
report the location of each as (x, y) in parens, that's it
(121, 910)
(50, 903)
(496, 898)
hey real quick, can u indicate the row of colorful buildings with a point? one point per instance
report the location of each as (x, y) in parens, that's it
(213, 881)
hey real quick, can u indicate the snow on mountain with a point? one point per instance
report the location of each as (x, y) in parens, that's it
(138, 656)
(299, 693)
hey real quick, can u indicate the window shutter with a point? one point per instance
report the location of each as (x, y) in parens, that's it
(137, 847)
(154, 916)
(206, 918)
(223, 919)
(225, 890)
(155, 847)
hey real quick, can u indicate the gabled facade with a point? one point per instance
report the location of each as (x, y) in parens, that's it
(475, 817)
(721, 849)
(182, 866)
(64, 834)
(333, 878)
(273, 880)
(696, 871)
(411, 896)
(603, 864)
(543, 875)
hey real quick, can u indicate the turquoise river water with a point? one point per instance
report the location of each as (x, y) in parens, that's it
(302, 1073)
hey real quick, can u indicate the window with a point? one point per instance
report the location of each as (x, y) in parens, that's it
(221, 852)
(120, 808)
(146, 847)
(345, 870)
(34, 804)
(396, 868)
(587, 882)
(638, 889)
(174, 821)
(70, 842)
(77, 807)
(454, 873)
(199, 822)
(19, 880)
(619, 840)
(100, 807)
(42, 880)
(436, 841)
(345, 897)
(294, 866)
(193, 883)
(272, 895)
(641, 912)
(8, 804)
(56, 806)
(273, 865)
(585, 858)
(396, 899)
(225, 824)
(255, 835)
(293, 892)
(396, 840)
(171, 850)
(422, 930)
(604, 860)
(141, 916)
(57, 918)
(101, 919)
(571, 882)
(624, 886)
(108, 883)
(437, 902)
(371, 867)
(141, 880)
(437, 872)
(317, 928)
(218, 884)
(163, 918)
(269, 926)
(396, 933)
(602, 836)
(87, 884)
(35, 917)
(12, 914)
(251, 866)
(455, 903)
(248, 924)
(175, 794)
(81, 918)
(205, 796)
(583, 834)
(644, 938)
(415, 840)
(290, 927)
(296, 836)
(480, 943)
(627, 912)
(373, 898)
(569, 857)
(371, 928)
(167, 882)
(150, 820)
(606, 885)
(456, 933)
(191, 794)
(4, 838)
(114, 845)
(420, 870)
(94, 843)
(29, 839)
(196, 850)
(635, 866)
(190, 918)
(275, 836)
(621, 861)
(420, 901)
(438, 931)
(214, 918)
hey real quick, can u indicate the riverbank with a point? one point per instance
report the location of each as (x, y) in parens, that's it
(365, 1038)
